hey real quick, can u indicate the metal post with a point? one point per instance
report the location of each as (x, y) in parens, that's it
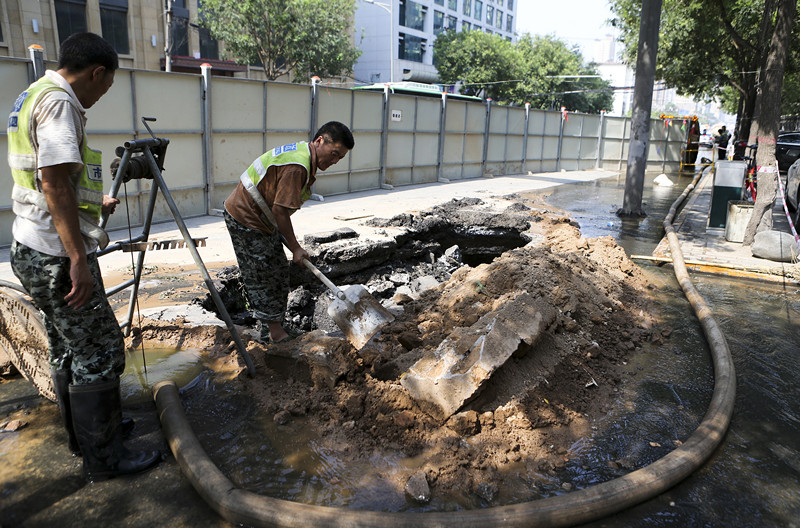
(560, 137)
(664, 148)
(385, 139)
(134, 124)
(579, 158)
(599, 138)
(36, 53)
(486, 135)
(168, 37)
(440, 155)
(524, 164)
(314, 106)
(208, 145)
(505, 141)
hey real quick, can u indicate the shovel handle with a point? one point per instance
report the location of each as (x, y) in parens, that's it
(318, 274)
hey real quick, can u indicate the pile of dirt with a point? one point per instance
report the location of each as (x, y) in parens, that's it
(527, 414)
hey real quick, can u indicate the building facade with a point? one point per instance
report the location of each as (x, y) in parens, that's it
(396, 36)
(136, 29)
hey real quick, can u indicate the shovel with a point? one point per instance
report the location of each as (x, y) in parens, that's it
(357, 313)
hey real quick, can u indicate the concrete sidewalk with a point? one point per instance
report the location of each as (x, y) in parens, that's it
(350, 210)
(702, 244)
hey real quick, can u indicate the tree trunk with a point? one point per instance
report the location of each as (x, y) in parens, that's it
(768, 121)
(642, 105)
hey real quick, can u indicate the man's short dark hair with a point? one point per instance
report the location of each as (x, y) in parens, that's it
(337, 133)
(83, 50)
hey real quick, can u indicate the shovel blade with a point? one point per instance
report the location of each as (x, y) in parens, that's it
(360, 317)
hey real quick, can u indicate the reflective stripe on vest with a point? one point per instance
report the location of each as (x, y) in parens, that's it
(22, 161)
(292, 154)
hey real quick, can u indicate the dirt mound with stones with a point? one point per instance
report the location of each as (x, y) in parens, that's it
(528, 413)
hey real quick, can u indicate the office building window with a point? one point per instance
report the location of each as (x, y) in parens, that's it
(478, 10)
(489, 14)
(180, 28)
(70, 17)
(476, 28)
(412, 15)
(510, 5)
(439, 2)
(114, 22)
(499, 19)
(465, 26)
(466, 7)
(452, 5)
(509, 23)
(411, 48)
(438, 22)
(451, 22)
(209, 47)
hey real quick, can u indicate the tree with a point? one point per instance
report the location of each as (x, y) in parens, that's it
(542, 71)
(707, 49)
(642, 104)
(768, 119)
(555, 75)
(304, 37)
(486, 64)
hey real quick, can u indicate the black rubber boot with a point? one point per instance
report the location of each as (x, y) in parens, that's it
(97, 420)
(61, 381)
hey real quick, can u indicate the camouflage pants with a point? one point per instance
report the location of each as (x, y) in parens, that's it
(264, 269)
(85, 340)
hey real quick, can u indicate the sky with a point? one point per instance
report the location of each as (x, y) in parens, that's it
(574, 21)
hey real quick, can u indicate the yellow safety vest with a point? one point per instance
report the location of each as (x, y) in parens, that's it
(22, 161)
(291, 154)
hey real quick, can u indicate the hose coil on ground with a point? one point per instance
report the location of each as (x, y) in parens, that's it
(240, 506)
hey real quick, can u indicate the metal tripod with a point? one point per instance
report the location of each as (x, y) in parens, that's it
(143, 158)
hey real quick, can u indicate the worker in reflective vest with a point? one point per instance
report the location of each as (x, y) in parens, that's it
(58, 200)
(257, 215)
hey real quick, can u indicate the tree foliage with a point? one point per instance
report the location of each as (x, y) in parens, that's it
(711, 48)
(305, 37)
(555, 75)
(486, 64)
(542, 71)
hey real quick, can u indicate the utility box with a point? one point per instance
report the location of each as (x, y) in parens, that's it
(728, 185)
(738, 215)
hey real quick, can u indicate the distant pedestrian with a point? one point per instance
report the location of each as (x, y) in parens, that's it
(723, 136)
(275, 186)
(58, 201)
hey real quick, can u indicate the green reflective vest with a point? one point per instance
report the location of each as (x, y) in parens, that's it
(22, 161)
(295, 153)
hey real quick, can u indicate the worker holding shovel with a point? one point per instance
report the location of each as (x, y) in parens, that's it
(274, 186)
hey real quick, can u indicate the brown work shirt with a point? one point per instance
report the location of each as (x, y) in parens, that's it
(282, 185)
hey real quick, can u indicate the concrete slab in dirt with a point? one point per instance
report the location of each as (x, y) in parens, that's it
(443, 380)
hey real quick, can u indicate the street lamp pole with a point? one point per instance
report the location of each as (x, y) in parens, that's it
(388, 7)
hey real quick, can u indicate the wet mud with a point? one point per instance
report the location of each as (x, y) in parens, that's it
(434, 272)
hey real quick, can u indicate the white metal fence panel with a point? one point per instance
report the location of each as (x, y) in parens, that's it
(365, 159)
(399, 141)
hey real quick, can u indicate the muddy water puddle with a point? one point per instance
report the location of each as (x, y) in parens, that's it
(144, 367)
